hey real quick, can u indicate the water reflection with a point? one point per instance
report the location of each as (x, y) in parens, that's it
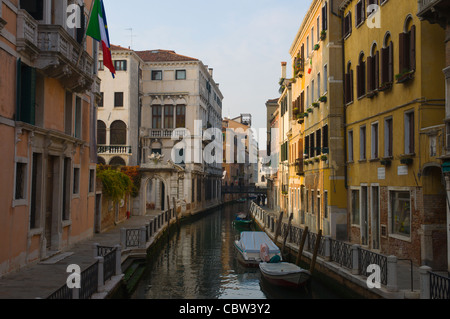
(199, 262)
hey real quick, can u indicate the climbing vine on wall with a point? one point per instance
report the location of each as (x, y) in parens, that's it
(116, 184)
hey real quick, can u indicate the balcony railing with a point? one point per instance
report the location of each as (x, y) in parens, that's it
(299, 166)
(427, 4)
(27, 34)
(166, 132)
(114, 149)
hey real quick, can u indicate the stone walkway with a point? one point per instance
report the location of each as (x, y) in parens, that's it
(42, 279)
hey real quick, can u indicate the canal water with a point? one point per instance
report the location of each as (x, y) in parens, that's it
(199, 262)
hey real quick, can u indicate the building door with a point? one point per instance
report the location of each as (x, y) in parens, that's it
(50, 200)
(375, 213)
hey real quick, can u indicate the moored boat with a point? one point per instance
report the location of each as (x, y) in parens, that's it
(284, 274)
(249, 247)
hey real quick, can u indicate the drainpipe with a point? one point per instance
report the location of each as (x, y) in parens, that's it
(341, 16)
(139, 146)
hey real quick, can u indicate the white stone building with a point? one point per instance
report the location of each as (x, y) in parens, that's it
(118, 113)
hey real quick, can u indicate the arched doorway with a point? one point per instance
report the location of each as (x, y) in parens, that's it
(155, 194)
(117, 161)
(118, 133)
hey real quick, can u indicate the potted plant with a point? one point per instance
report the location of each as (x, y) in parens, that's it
(371, 94)
(316, 47)
(306, 114)
(385, 86)
(406, 161)
(404, 76)
(310, 110)
(295, 110)
(323, 98)
(385, 162)
(324, 158)
(323, 35)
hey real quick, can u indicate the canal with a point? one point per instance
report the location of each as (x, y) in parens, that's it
(198, 261)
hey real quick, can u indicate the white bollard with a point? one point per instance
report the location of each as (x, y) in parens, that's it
(392, 274)
(425, 282)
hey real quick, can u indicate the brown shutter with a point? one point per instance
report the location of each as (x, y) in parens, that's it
(391, 63)
(358, 80)
(402, 64)
(302, 102)
(377, 70)
(412, 48)
(411, 132)
(384, 65)
(347, 88)
(351, 86)
(369, 73)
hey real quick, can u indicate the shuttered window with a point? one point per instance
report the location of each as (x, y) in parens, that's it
(349, 87)
(26, 93)
(361, 77)
(360, 14)
(387, 64)
(373, 63)
(407, 50)
(325, 16)
(347, 24)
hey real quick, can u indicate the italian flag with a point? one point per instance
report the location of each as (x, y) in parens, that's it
(98, 30)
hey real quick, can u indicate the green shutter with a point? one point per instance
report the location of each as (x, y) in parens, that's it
(26, 93)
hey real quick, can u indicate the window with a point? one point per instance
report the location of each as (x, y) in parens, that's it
(156, 116)
(318, 142)
(306, 153)
(432, 143)
(21, 174)
(325, 138)
(350, 146)
(78, 117)
(325, 204)
(361, 77)
(312, 91)
(325, 78)
(180, 75)
(168, 116)
(388, 138)
(312, 202)
(307, 45)
(102, 96)
(409, 133)
(101, 133)
(26, 93)
(312, 145)
(120, 65)
(118, 99)
(34, 7)
(68, 114)
(36, 191)
(374, 146)
(76, 180)
(355, 207)
(349, 84)
(67, 192)
(360, 14)
(325, 16)
(91, 180)
(318, 85)
(362, 143)
(347, 24)
(387, 61)
(181, 116)
(407, 49)
(312, 38)
(371, 10)
(118, 133)
(156, 75)
(373, 64)
(318, 29)
(101, 67)
(307, 200)
(400, 212)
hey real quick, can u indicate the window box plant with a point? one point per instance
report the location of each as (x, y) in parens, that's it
(315, 104)
(295, 110)
(323, 35)
(316, 47)
(324, 158)
(385, 162)
(323, 98)
(406, 161)
(306, 114)
(405, 76)
(310, 110)
(385, 86)
(371, 94)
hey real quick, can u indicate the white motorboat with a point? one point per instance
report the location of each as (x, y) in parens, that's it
(249, 248)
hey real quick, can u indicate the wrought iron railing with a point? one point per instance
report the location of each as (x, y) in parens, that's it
(132, 237)
(439, 286)
(89, 281)
(109, 265)
(366, 258)
(62, 293)
(341, 253)
(113, 149)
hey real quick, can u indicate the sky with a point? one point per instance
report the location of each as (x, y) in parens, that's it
(244, 41)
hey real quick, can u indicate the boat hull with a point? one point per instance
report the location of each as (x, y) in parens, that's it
(293, 279)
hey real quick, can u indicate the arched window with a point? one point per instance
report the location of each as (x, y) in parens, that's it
(349, 83)
(407, 48)
(117, 161)
(118, 133)
(101, 133)
(373, 66)
(101, 160)
(387, 62)
(361, 76)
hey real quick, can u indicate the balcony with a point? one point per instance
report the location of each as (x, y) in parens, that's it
(114, 149)
(434, 11)
(62, 57)
(163, 132)
(27, 35)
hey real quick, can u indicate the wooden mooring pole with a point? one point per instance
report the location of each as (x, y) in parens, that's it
(287, 232)
(278, 229)
(316, 250)
(302, 245)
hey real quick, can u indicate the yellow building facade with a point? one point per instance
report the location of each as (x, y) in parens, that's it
(394, 107)
(316, 138)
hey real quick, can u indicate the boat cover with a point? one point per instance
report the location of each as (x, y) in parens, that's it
(282, 268)
(251, 242)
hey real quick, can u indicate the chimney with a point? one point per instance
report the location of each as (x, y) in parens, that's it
(283, 70)
(210, 72)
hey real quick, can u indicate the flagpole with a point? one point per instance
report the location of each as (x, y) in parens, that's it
(84, 36)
